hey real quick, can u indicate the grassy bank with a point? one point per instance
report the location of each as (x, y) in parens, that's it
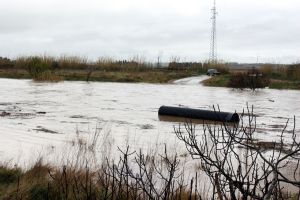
(217, 81)
(14, 73)
(74, 68)
(43, 68)
(150, 76)
(274, 77)
(42, 182)
(223, 81)
(284, 84)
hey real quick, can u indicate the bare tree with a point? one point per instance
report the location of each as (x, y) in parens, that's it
(236, 165)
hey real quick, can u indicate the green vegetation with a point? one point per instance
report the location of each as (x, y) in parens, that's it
(17, 184)
(284, 72)
(43, 68)
(42, 182)
(14, 73)
(199, 67)
(151, 76)
(281, 84)
(224, 81)
(274, 77)
(253, 79)
(38, 68)
(217, 81)
(6, 63)
(74, 68)
(283, 77)
(8, 175)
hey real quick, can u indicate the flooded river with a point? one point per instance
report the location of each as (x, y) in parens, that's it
(37, 117)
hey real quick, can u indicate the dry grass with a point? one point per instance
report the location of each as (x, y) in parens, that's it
(48, 76)
(6, 63)
(135, 69)
(109, 180)
(24, 62)
(283, 72)
(72, 62)
(45, 182)
(84, 176)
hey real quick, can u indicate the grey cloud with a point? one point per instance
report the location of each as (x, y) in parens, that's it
(128, 27)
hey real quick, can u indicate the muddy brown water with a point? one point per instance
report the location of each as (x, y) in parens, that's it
(128, 111)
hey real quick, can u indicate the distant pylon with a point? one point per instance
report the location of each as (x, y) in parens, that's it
(213, 40)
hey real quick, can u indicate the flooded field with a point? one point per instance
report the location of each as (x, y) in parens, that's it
(37, 118)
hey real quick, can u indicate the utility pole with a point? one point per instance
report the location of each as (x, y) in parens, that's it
(213, 59)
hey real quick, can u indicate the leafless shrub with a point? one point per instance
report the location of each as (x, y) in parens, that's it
(245, 173)
(253, 79)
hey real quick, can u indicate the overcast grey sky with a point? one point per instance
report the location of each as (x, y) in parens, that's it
(247, 30)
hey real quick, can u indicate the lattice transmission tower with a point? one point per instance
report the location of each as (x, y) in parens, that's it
(213, 59)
